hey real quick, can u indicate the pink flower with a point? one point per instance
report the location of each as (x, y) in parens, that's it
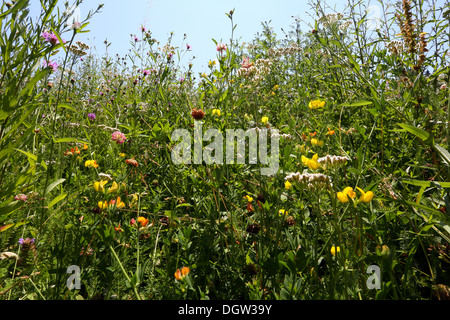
(146, 72)
(21, 197)
(119, 137)
(51, 37)
(221, 47)
(246, 63)
(52, 65)
(188, 47)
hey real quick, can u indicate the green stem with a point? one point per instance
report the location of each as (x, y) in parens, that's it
(124, 272)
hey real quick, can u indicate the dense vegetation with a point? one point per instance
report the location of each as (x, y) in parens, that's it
(88, 186)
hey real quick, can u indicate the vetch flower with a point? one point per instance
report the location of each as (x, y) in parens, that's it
(216, 112)
(103, 205)
(365, 196)
(316, 104)
(21, 197)
(347, 192)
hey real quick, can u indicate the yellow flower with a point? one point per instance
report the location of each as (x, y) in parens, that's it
(91, 164)
(347, 192)
(99, 185)
(316, 142)
(212, 63)
(264, 120)
(113, 188)
(316, 104)
(134, 200)
(335, 250)
(330, 132)
(311, 163)
(85, 146)
(123, 155)
(282, 212)
(103, 205)
(365, 196)
(216, 111)
(249, 199)
(117, 203)
(287, 185)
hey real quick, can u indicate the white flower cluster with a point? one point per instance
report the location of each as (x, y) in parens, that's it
(331, 18)
(332, 161)
(344, 26)
(395, 46)
(293, 48)
(312, 181)
(79, 49)
(257, 71)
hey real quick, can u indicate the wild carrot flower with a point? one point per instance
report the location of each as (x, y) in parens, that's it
(316, 104)
(197, 114)
(119, 137)
(347, 192)
(180, 274)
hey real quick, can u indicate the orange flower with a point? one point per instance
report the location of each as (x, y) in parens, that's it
(330, 132)
(131, 162)
(180, 274)
(143, 221)
(197, 114)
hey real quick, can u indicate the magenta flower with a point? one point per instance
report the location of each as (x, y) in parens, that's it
(91, 116)
(188, 47)
(52, 65)
(146, 72)
(51, 37)
(21, 197)
(118, 137)
(23, 241)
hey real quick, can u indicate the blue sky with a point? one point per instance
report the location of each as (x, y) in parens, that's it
(200, 20)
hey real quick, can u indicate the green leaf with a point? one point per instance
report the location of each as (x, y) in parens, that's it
(56, 200)
(53, 185)
(443, 153)
(356, 104)
(421, 134)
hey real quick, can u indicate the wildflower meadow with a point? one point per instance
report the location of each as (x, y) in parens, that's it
(311, 164)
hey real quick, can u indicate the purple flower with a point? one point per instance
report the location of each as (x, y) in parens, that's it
(51, 37)
(91, 116)
(23, 241)
(136, 39)
(146, 72)
(52, 65)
